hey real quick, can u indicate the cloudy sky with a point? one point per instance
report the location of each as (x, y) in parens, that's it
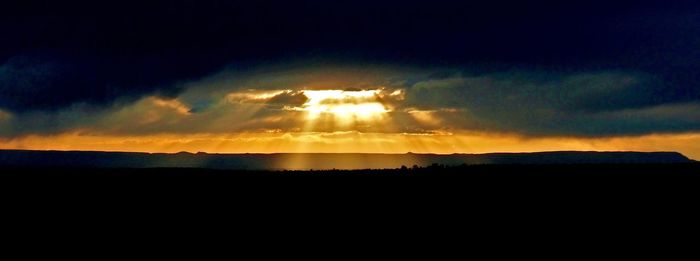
(350, 76)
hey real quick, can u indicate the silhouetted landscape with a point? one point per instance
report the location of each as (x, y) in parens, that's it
(476, 177)
(320, 161)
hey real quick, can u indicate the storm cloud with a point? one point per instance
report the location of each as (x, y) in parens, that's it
(535, 68)
(578, 104)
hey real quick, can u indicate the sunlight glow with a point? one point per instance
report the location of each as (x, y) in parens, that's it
(351, 142)
(344, 105)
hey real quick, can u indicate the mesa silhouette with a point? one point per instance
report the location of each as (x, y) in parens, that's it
(320, 161)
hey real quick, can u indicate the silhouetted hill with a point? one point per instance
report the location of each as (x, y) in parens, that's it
(26, 158)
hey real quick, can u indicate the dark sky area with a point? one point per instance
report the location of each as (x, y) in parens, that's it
(54, 54)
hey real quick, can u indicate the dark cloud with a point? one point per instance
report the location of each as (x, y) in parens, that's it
(46, 82)
(586, 92)
(533, 67)
(588, 104)
(288, 98)
(63, 53)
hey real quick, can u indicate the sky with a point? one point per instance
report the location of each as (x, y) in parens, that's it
(350, 76)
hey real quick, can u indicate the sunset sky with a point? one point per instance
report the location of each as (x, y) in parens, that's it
(351, 76)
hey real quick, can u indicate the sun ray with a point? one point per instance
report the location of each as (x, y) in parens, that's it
(341, 110)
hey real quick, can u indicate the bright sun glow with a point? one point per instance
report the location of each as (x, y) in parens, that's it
(344, 105)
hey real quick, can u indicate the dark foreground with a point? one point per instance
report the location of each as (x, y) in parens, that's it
(436, 178)
(614, 186)
(486, 202)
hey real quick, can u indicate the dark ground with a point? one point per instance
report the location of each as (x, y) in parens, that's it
(617, 207)
(464, 179)
(504, 193)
